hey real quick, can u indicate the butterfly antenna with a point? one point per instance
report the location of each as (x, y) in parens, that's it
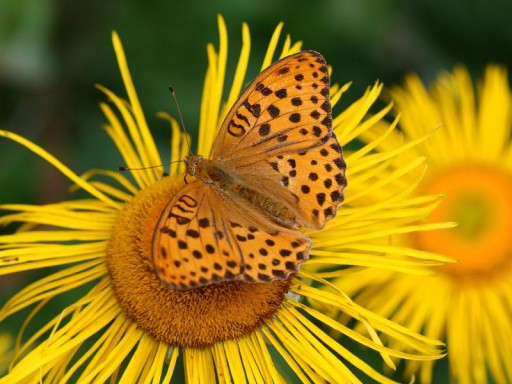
(171, 89)
(122, 169)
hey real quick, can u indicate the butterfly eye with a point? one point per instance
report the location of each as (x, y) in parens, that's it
(191, 161)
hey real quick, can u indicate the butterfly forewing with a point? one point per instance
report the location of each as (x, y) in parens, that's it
(285, 138)
(286, 109)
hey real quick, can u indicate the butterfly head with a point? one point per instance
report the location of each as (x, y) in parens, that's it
(192, 162)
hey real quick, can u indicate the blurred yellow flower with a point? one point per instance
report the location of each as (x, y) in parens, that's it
(128, 327)
(467, 304)
(6, 351)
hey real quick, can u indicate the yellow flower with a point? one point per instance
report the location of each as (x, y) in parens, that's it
(128, 327)
(470, 159)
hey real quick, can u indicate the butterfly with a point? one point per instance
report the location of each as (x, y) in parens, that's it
(275, 166)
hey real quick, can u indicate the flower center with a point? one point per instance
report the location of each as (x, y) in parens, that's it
(479, 199)
(194, 318)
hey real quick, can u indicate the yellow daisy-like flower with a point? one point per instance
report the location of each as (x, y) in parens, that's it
(470, 157)
(129, 327)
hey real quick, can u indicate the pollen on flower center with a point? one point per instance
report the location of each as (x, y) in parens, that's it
(479, 199)
(194, 318)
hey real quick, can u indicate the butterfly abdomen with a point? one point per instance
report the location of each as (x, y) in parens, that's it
(270, 206)
(213, 172)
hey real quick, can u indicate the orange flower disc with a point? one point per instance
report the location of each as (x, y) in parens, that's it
(194, 318)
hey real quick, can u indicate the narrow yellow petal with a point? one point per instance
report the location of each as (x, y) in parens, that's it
(111, 191)
(92, 350)
(319, 357)
(286, 46)
(171, 366)
(221, 363)
(37, 361)
(59, 216)
(209, 104)
(113, 335)
(117, 176)
(258, 372)
(233, 358)
(141, 136)
(112, 361)
(178, 139)
(57, 164)
(291, 361)
(220, 67)
(268, 59)
(241, 69)
(265, 362)
(53, 285)
(338, 92)
(295, 47)
(350, 118)
(117, 133)
(140, 362)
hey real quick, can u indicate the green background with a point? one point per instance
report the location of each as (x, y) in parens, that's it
(53, 52)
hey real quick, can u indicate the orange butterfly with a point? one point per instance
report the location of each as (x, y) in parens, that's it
(276, 165)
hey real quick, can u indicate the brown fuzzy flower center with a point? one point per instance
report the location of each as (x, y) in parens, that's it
(479, 199)
(194, 318)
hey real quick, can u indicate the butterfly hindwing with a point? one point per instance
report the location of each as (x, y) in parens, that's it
(316, 178)
(270, 251)
(309, 183)
(191, 246)
(203, 237)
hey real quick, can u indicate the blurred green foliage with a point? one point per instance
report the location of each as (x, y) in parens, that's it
(53, 52)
